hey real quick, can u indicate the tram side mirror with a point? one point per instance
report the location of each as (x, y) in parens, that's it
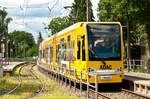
(83, 37)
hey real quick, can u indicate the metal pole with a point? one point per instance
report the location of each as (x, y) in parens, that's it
(75, 79)
(128, 39)
(87, 10)
(87, 85)
(24, 51)
(81, 82)
(65, 75)
(96, 87)
(59, 74)
(7, 44)
(133, 65)
(69, 77)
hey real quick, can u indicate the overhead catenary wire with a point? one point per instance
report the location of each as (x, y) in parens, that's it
(25, 11)
(26, 5)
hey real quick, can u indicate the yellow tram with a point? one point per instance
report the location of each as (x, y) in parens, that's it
(88, 47)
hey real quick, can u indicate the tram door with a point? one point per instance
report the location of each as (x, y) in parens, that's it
(49, 52)
(61, 53)
(80, 52)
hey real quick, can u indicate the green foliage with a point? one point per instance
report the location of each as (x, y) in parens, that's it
(4, 21)
(20, 37)
(32, 51)
(21, 41)
(15, 72)
(3, 15)
(138, 36)
(79, 6)
(57, 24)
(134, 11)
(78, 10)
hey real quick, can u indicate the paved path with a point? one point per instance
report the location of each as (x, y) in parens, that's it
(11, 66)
(136, 76)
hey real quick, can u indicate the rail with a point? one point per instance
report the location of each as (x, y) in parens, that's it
(137, 96)
(76, 76)
(41, 89)
(18, 85)
(65, 74)
(100, 95)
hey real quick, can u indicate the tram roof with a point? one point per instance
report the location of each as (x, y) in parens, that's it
(72, 27)
(62, 31)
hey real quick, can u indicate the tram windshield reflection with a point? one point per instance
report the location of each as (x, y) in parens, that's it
(104, 41)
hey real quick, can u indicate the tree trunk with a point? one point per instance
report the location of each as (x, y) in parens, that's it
(148, 40)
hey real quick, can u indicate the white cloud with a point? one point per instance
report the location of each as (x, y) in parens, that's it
(34, 18)
(32, 25)
(95, 5)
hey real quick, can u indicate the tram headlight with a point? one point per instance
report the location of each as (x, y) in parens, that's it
(91, 69)
(119, 69)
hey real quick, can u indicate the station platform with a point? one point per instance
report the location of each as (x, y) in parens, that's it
(140, 82)
(133, 76)
(10, 67)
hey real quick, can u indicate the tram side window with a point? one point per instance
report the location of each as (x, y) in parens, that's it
(57, 52)
(40, 53)
(44, 53)
(51, 51)
(64, 52)
(78, 50)
(68, 49)
(83, 50)
(62, 49)
(72, 51)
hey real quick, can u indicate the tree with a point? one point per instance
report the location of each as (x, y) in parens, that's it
(4, 21)
(58, 23)
(32, 51)
(134, 12)
(40, 39)
(21, 41)
(79, 10)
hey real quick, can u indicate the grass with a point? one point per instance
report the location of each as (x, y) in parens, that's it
(7, 83)
(52, 89)
(16, 71)
(138, 69)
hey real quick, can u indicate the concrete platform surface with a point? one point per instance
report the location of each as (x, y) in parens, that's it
(136, 76)
(9, 67)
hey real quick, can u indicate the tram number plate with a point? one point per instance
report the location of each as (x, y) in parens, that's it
(106, 77)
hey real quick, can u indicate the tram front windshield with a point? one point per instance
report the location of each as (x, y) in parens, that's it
(104, 41)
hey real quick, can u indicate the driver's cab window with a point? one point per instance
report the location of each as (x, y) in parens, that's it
(78, 49)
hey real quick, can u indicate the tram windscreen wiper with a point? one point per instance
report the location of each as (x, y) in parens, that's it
(102, 59)
(93, 55)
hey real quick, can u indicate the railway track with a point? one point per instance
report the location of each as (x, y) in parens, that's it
(100, 95)
(124, 94)
(26, 73)
(133, 94)
(42, 84)
(18, 85)
(120, 94)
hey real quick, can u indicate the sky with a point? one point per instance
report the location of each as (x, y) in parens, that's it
(34, 15)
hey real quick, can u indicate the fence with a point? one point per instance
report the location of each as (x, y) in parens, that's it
(135, 65)
(64, 73)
